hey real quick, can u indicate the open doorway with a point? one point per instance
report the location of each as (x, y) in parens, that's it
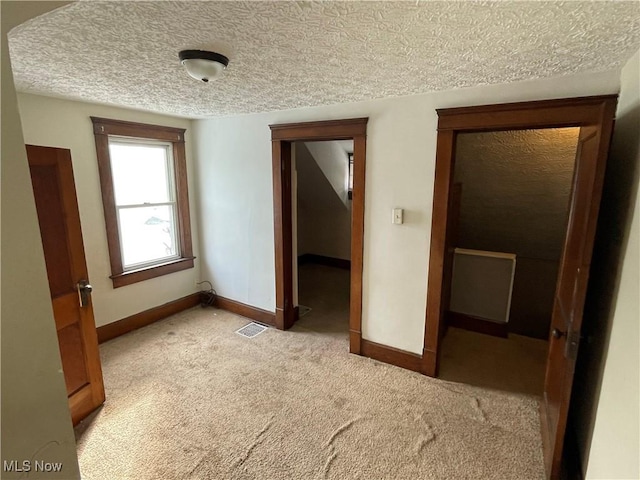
(511, 192)
(594, 118)
(322, 192)
(283, 138)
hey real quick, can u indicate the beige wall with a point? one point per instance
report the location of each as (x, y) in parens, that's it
(66, 124)
(401, 143)
(332, 159)
(515, 197)
(324, 221)
(233, 161)
(36, 424)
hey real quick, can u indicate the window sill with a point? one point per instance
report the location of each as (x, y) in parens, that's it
(146, 273)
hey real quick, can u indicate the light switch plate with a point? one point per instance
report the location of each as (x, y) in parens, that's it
(397, 216)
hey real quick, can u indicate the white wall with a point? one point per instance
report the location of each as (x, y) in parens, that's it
(332, 159)
(323, 220)
(66, 124)
(36, 424)
(233, 172)
(615, 442)
(233, 163)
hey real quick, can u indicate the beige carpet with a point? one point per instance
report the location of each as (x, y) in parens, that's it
(187, 398)
(516, 364)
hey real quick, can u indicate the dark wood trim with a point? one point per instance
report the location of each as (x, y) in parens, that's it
(108, 203)
(390, 355)
(306, 258)
(355, 337)
(445, 149)
(323, 130)
(283, 235)
(574, 112)
(594, 116)
(476, 324)
(429, 362)
(254, 313)
(104, 127)
(182, 197)
(357, 239)
(567, 112)
(142, 319)
(122, 128)
(282, 137)
(528, 105)
(134, 276)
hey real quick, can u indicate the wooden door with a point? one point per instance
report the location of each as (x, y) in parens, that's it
(57, 207)
(570, 294)
(594, 116)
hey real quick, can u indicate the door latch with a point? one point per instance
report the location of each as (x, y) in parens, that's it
(84, 290)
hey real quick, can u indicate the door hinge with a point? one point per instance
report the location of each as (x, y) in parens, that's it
(571, 346)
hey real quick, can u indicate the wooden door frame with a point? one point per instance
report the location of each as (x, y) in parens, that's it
(569, 112)
(282, 137)
(573, 112)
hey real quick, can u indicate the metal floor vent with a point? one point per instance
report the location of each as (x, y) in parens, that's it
(251, 330)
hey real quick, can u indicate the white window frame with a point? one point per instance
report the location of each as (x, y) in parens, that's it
(171, 187)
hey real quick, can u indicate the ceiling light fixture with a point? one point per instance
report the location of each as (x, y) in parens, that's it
(203, 65)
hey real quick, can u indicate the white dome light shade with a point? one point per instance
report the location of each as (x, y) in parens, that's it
(203, 65)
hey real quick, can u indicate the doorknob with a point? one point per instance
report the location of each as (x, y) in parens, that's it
(84, 290)
(558, 333)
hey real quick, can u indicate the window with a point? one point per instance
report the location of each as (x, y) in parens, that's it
(145, 199)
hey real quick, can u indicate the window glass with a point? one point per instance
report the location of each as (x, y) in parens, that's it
(143, 189)
(148, 234)
(140, 172)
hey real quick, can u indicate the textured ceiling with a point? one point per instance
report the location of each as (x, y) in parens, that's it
(294, 54)
(515, 190)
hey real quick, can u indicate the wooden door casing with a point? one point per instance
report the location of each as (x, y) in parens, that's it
(282, 137)
(59, 220)
(453, 221)
(594, 116)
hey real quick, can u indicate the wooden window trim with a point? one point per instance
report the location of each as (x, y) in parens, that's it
(102, 129)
